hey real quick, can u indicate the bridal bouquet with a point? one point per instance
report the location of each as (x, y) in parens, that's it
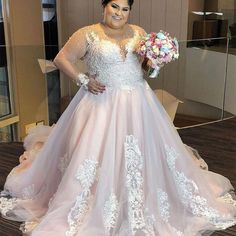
(160, 49)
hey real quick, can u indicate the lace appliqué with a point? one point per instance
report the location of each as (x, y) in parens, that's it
(134, 183)
(227, 198)
(164, 210)
(150, 221)
(110, 213)
(163, 205)
(63, 163)
(86, 175)
(28, 192)
(104, 60)
(28, 226)
(188, 192)
(176, 232)
(7, 204)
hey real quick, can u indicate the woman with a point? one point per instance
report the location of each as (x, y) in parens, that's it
(114, 164)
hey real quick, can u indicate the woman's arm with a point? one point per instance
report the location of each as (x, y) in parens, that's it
(75, 49)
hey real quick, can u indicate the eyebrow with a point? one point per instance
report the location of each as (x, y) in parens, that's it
(119, 6)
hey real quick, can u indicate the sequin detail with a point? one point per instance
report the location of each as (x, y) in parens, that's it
(104, 59)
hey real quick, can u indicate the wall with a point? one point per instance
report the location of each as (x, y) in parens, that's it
(205, 80)
(227, 6)
(194, 5)
(207, 85)
(230, 98)
(152, 15)
(212, 5)
(25, 43)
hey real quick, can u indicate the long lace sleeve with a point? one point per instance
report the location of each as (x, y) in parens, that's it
(74, 49)
(140, 30)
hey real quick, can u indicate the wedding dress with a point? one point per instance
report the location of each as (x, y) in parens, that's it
(114, 163)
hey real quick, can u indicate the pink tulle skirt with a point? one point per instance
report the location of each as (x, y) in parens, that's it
(115, 165)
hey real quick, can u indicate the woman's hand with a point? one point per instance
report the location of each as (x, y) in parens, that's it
(94, 86)
(146, 64)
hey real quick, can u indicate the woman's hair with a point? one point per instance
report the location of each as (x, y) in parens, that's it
(105, 2)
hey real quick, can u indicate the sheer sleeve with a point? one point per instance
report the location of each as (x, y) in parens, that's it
(140, 30)
(74, 49)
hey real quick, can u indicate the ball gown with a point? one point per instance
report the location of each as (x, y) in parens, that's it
(114, 163)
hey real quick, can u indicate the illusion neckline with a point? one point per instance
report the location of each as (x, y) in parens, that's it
(102, 27)
(123, 49)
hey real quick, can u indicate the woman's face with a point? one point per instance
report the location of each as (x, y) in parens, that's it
(116, 13)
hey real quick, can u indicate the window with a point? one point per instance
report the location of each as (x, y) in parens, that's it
(5, 101)
(51, 50)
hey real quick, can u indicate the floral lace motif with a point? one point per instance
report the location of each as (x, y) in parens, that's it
(227, 198)
(63, 163)
(188, 192)
(150, 221)
(163, 205)
(134, 183)
(86, 175)
(28, 226)
(164, 210)
(104, 59)
(7, 204)
(110, 213)
(28, 192)
(176, 232)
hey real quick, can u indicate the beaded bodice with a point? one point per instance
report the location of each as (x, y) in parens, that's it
(114, 66)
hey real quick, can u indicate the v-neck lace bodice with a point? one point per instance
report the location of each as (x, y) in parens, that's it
(122, 43)
(105, 58)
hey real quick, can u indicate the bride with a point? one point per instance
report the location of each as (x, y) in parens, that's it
(114, 163)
